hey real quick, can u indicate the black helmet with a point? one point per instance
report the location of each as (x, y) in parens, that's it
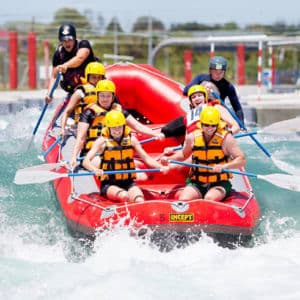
(218, 63)
(67, 32)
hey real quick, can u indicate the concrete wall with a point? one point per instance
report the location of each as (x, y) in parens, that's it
(261, 107)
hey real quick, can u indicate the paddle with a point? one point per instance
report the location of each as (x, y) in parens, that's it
(239, 135)
(285, 181)
(280, 164)
(283, 127)
(52, 166)
(45, 167)
(241, 124)
(45, 153)
(26, 176)
(148, 140)
(55, 84)
(141, 142)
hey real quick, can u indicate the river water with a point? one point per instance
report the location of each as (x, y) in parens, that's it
(40, 260)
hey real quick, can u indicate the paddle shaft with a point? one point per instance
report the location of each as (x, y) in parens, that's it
(114, 172)
(210, 168)
(44, 154)
(285, 181)
(40, 118)
(148, 140)
(243, 126)
(80, 158)
(55, 84)
(236, 136)
(239, 135)
(40, 176)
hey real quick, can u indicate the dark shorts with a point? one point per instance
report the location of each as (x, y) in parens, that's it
(123, 184)
(204, 187)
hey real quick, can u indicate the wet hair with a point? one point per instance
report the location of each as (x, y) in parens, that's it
(211, 87)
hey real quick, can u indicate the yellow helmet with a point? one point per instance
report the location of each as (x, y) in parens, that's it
(210, 115)
(197, 88)
(114, 118)
(105, 85)
(95, 68)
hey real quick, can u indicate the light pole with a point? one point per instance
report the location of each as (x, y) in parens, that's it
(115, 40)
(149, 39)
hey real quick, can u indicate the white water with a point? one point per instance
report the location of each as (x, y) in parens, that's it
(39, 260)
(122, 267)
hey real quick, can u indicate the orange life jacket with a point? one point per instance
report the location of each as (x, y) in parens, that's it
(95, 128)
(90, 97)
(209, 155)
(118, 155)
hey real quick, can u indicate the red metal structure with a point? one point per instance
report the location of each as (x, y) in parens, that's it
(13, 60)
(188, 54)
(240, 64)
(46, 61)
(31, 40)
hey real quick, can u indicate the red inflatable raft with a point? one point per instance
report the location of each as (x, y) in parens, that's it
(167, 221)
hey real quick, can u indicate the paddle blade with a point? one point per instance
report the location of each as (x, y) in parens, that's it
(283, 127)
(285, 167)
(36, 176)
(44, 167)
(284, 181)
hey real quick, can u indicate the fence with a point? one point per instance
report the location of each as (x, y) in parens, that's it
(25, 60)
(20, 66)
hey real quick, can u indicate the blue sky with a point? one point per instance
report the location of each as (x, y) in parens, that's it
(127, 11)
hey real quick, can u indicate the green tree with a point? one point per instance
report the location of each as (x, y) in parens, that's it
(114, 25)
(230, 26)
(142, 24)
(71, 15)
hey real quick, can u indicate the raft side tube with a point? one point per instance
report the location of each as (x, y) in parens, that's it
(151, 93)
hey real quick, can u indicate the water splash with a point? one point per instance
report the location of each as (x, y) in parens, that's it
(41, 260)
(286, 167)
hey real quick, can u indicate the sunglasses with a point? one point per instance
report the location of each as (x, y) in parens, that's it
(209, 125)
(67, 38)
